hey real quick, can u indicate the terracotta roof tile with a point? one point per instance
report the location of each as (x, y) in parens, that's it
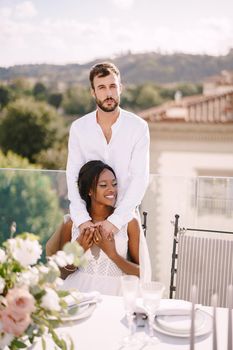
(216, 108)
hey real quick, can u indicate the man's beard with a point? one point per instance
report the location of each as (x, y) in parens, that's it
(112, 108)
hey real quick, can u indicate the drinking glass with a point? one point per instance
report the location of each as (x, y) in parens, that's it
(151, 294)
(129, 287)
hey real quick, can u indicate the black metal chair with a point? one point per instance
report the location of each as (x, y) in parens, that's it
(144, 222)
(204, 258)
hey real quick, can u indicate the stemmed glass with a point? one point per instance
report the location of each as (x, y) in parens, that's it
(151, 294)
(129, 287)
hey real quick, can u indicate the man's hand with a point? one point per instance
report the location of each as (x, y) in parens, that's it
(107, 229)
(85, 225)
(85, 239)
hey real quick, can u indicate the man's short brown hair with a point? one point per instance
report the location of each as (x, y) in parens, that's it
(102, 70)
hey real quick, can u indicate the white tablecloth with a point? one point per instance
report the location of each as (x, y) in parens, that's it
(106, 327)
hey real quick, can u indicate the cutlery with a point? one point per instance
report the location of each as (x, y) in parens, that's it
(82, 303)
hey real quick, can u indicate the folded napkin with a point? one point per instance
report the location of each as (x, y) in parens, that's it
(168, 307)
(77, 298)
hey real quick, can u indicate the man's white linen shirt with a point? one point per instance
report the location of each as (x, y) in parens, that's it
(127, 153)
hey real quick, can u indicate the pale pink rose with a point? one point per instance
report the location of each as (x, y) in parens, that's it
(12, 326)
(20, 303)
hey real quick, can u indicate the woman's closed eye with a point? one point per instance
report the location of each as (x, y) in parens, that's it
(103, 185)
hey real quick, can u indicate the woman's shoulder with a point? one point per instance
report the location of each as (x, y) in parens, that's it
(134, 225)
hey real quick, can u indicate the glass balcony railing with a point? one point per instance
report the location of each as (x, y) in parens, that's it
(36, 201)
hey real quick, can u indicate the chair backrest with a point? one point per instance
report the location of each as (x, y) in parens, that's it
(144, 222)
(203, 258)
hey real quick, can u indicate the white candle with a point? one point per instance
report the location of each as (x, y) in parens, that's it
(214, 301)
(192, 330)
(230, 306)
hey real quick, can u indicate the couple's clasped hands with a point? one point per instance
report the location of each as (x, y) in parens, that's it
(99, 235)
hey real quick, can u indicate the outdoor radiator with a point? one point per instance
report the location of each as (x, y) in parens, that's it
(206, 262)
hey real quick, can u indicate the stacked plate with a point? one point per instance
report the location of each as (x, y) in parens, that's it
(79, 305)
(180, 325)
(82, 311)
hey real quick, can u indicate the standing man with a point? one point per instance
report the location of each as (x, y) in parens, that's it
(118, 138)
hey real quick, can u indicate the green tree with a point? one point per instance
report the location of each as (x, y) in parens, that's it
(78, 100)
(14, 161)
(40, 91)
(148, 96)
(128, 97)
(187, 89)
(55, 99)
(28, 127)
(53, 158)
(28, 198)
(5, 96)
(20, 87)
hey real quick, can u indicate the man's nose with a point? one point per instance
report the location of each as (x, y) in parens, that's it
(109, 92)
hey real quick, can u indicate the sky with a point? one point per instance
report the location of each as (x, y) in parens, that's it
(78, 31)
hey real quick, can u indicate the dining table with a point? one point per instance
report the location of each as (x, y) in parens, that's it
(106, 326)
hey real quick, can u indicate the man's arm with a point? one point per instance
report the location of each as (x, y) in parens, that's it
(78, 209)
(139, 172)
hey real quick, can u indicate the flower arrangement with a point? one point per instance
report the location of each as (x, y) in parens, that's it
(30, 300)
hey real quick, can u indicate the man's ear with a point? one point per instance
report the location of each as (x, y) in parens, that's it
(121, 88)
(92, 92)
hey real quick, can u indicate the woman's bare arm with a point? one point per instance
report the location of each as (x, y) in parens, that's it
(128, 267)
(59, 238)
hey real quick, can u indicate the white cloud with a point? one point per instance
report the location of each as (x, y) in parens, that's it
(25, 10)
(5, 12)
(71, 40)
(124, 4)
(212, 36)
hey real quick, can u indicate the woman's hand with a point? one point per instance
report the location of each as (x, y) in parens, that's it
(85, 238)
(106, 244)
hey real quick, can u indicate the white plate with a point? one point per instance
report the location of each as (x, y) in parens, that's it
(82, 312)
(204, 327)
(181, 323)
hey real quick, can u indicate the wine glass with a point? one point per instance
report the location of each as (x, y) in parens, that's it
(151, 295)
(129, 287)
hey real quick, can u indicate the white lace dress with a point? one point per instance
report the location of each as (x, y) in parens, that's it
(100, 273)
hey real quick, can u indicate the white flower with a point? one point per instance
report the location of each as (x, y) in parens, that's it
(5, 338)
(2, 285)
(52, 265)
(29, 277)
(25, 251)
(62, 259)
(59, 282)
(43, 269)
(2, 256)
(50, 300)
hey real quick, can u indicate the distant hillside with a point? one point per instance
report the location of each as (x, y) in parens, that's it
(135, 69)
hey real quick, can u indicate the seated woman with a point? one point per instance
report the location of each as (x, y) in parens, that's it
(107, 258)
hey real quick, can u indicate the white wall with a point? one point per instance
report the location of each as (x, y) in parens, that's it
(178, 155)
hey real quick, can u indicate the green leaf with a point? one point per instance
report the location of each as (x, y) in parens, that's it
(73, 310)
(63, 293)
(28, 235)
(43, 344)
(51, 276)
(17, 344)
